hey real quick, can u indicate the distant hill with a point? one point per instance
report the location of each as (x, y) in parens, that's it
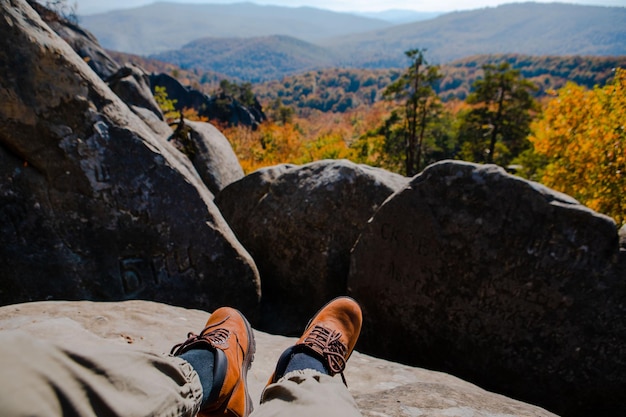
(163, 26)
(207, 81)
(252, 59)
(343, 89)
(335, 90)
(521, 28)
(546, 72)
(397, 16)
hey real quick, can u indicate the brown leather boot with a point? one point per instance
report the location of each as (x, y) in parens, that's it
(329, 336)
(228, 334)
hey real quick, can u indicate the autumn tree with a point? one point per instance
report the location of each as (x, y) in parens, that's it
(166, 104)
(240, 92)
(495, 129)
(582, 133)
(280, 113)
(415, 89)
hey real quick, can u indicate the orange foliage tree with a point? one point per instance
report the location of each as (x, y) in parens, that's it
(270, 144)
(583, 135)
(301, 140)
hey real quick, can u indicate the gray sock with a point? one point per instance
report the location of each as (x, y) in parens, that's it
(305, 361)
(202, 361)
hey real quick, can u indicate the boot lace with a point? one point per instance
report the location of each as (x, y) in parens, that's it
(327, 343)
(210, 334)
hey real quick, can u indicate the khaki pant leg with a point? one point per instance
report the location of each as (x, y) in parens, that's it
(307, 393)
(82, 378)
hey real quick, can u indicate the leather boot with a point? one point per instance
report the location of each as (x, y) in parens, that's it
(329, 336)
(228, 334)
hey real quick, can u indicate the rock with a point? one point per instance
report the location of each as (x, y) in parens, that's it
(132, 85)
(82, 41)
(213, 156)
(93, 204)
(500, 281)
(381, 388)
(253, 187)
(185, 97)
(129, 82)
(222, 108)
(300, 226)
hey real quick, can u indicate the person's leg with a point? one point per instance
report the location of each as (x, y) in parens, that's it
(87, 377)
(82, 378)
(302, 384)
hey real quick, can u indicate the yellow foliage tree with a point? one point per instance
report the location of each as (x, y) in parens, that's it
(328, 146)
(583, 135)
(167, 105)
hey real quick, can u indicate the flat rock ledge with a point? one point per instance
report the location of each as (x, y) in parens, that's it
(381, 388)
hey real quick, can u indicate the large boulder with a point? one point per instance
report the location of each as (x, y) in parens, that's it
(212, 156)
(501, 281)
(380, 388)
(94, 204)
(299, 227)
(239, 201)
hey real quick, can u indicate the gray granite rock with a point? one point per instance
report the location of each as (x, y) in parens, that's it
(501, 281)
(299, 226)
(94, 204)
(213, 156)
(83, 42)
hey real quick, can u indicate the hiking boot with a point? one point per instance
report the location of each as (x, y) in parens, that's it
(329, 336)
(228, 334)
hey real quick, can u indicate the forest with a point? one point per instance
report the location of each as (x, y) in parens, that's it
(342, 89)
(556, 120)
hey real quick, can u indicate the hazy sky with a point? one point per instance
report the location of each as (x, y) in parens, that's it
(95, 6)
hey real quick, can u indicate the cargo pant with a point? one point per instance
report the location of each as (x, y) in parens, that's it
(39, 378)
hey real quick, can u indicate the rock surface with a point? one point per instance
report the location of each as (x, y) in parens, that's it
(501, 281)
(129, 82)
(83, 42)
(213, 157)
(299, 226)
(132, 85)
(93, 204)
(381, 388)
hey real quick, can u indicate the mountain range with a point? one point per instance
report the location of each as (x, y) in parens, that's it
(258, 43)
(163, 26)
(523, 28)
